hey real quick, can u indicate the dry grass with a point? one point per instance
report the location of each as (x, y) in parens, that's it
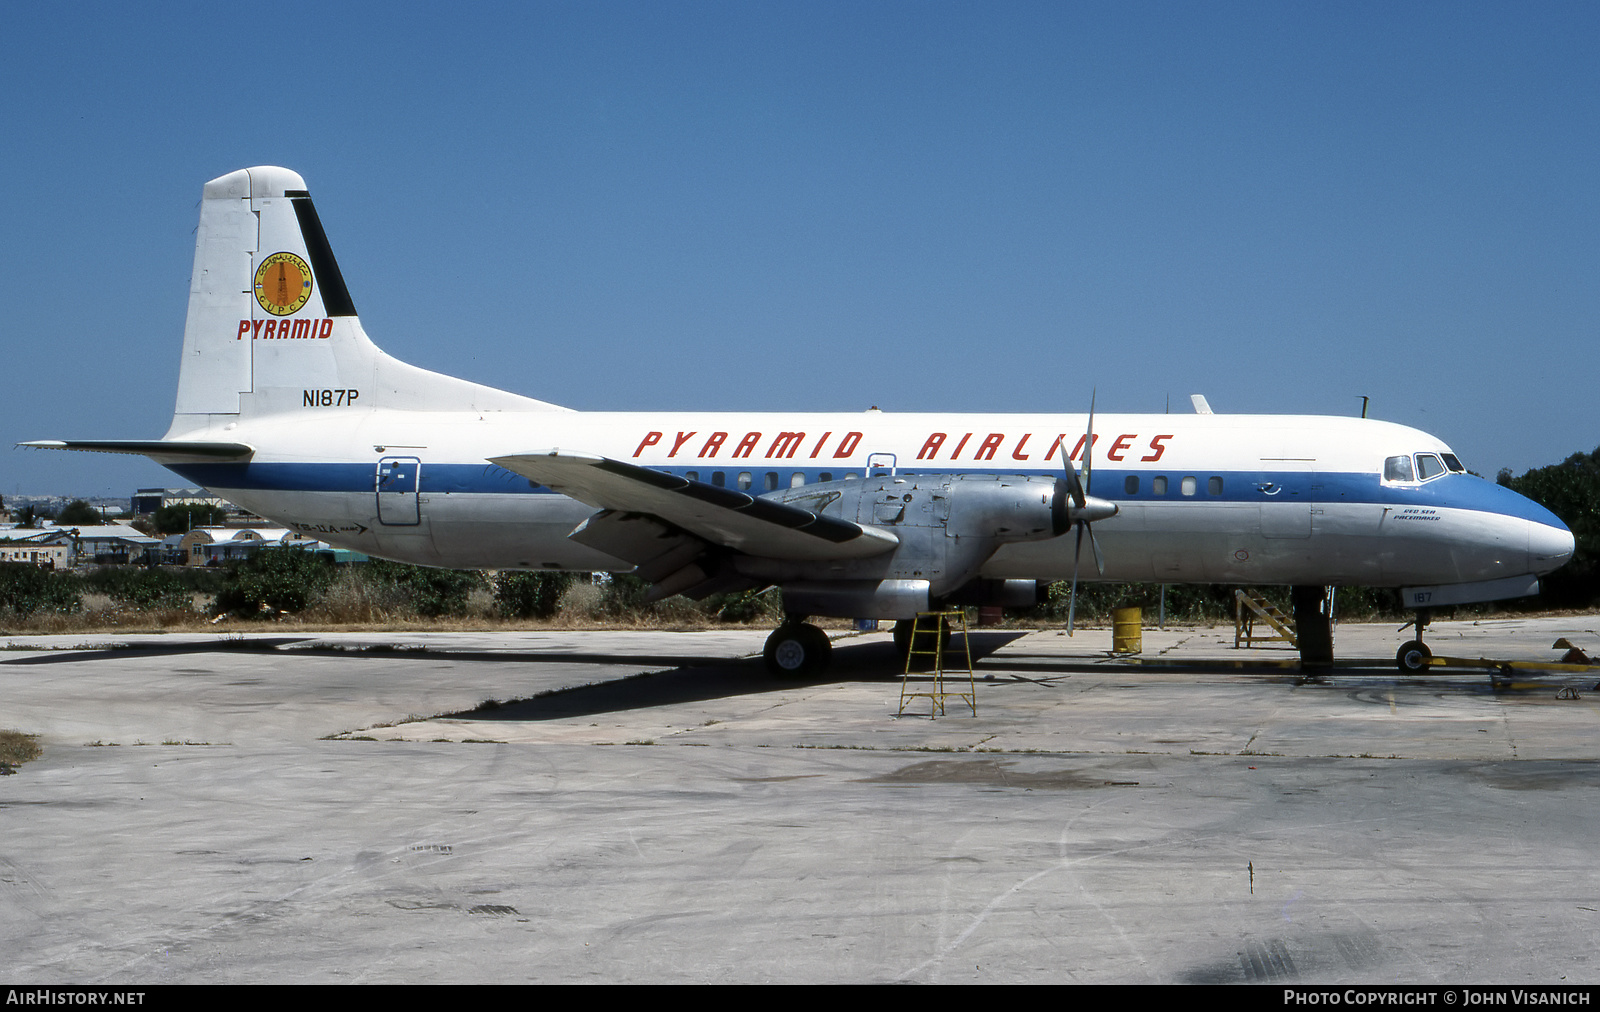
(17, 748)
(354, 605)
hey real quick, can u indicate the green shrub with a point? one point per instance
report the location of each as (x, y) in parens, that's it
(622, 595)
(743, 606)
(25, 589)
(425, 591)
(145, 589)
(530, 594)
(280, 579)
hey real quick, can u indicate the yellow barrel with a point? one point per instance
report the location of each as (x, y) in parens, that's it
(1126, 635)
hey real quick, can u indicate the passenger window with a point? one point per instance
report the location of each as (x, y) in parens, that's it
(1158, 485)
(718, 479)
(772, 480)
(825, 476)
(849, 475)
(797, 479)
(1398, 469)
(1428, 466)
(1214, 485)
(1130, 484)
(744, 479)
(1189, 484)
(1453, 463)
(692, 475)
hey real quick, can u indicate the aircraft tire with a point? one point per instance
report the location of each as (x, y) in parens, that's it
(1413, 658)
(797, 650)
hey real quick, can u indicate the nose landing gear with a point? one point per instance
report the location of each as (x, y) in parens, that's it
(1414, 655)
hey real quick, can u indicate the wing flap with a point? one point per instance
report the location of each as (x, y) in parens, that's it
(673, 561)
(720, 516)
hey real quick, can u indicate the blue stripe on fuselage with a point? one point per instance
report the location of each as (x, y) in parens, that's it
(1452, 491)
(298, 477)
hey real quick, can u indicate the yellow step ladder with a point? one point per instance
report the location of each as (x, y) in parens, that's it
(1250, 607)
(930, 627)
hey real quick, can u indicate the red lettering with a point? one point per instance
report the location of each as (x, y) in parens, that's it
(957, 451)
(244, 328)
(650, 439)
(257, 332)
(931, 447)
(747, 444)
(785, 444)
(713, 444)
(990, 444)
(818, 450)
(1017, 454)
(847, 445)
(272, 327)
(1157, 444)
(677, 444)
(1077, 451)
(1120, 446)
(1056, 445)
(327, 328)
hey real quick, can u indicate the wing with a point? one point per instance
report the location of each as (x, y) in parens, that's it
(718, 516)
(678, 532)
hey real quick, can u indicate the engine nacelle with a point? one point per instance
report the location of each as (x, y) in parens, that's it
(948, 525)
(890, 599)
(1004, 593)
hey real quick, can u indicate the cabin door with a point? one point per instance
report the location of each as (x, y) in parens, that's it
(397, 482)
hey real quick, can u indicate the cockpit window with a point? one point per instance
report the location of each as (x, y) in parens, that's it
(1452, 462)
(1428, 466)
(1398, 469)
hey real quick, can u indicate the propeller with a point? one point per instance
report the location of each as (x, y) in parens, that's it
(1087, 509)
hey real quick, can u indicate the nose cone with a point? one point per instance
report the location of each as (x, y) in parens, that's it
(1549, 546)
(1511, 518)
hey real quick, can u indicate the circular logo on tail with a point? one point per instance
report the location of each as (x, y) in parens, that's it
(283, 283)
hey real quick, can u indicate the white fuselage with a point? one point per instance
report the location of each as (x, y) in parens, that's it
(1202, 498)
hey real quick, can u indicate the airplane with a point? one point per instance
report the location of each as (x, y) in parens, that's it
(288, 409)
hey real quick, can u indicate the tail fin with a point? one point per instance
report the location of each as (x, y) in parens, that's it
(272, 328)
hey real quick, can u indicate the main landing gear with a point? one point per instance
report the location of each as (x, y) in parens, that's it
(1414, 655)
(797, 649)
(1313, 622)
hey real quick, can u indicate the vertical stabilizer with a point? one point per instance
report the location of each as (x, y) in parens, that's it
(271, 326)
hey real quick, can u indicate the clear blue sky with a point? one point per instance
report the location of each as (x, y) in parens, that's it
(924, 205)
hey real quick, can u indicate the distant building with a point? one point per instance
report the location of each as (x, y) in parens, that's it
(213, 546)
(48, 549)
(81, 545)
(109, 544)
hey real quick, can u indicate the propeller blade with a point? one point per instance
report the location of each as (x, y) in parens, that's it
(1088, 448)
(1094, 546)
(1074, 486)
(1072, 600)
(1079, 490)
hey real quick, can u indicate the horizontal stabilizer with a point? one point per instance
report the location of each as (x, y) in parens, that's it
(721, 516)
(162, 451)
